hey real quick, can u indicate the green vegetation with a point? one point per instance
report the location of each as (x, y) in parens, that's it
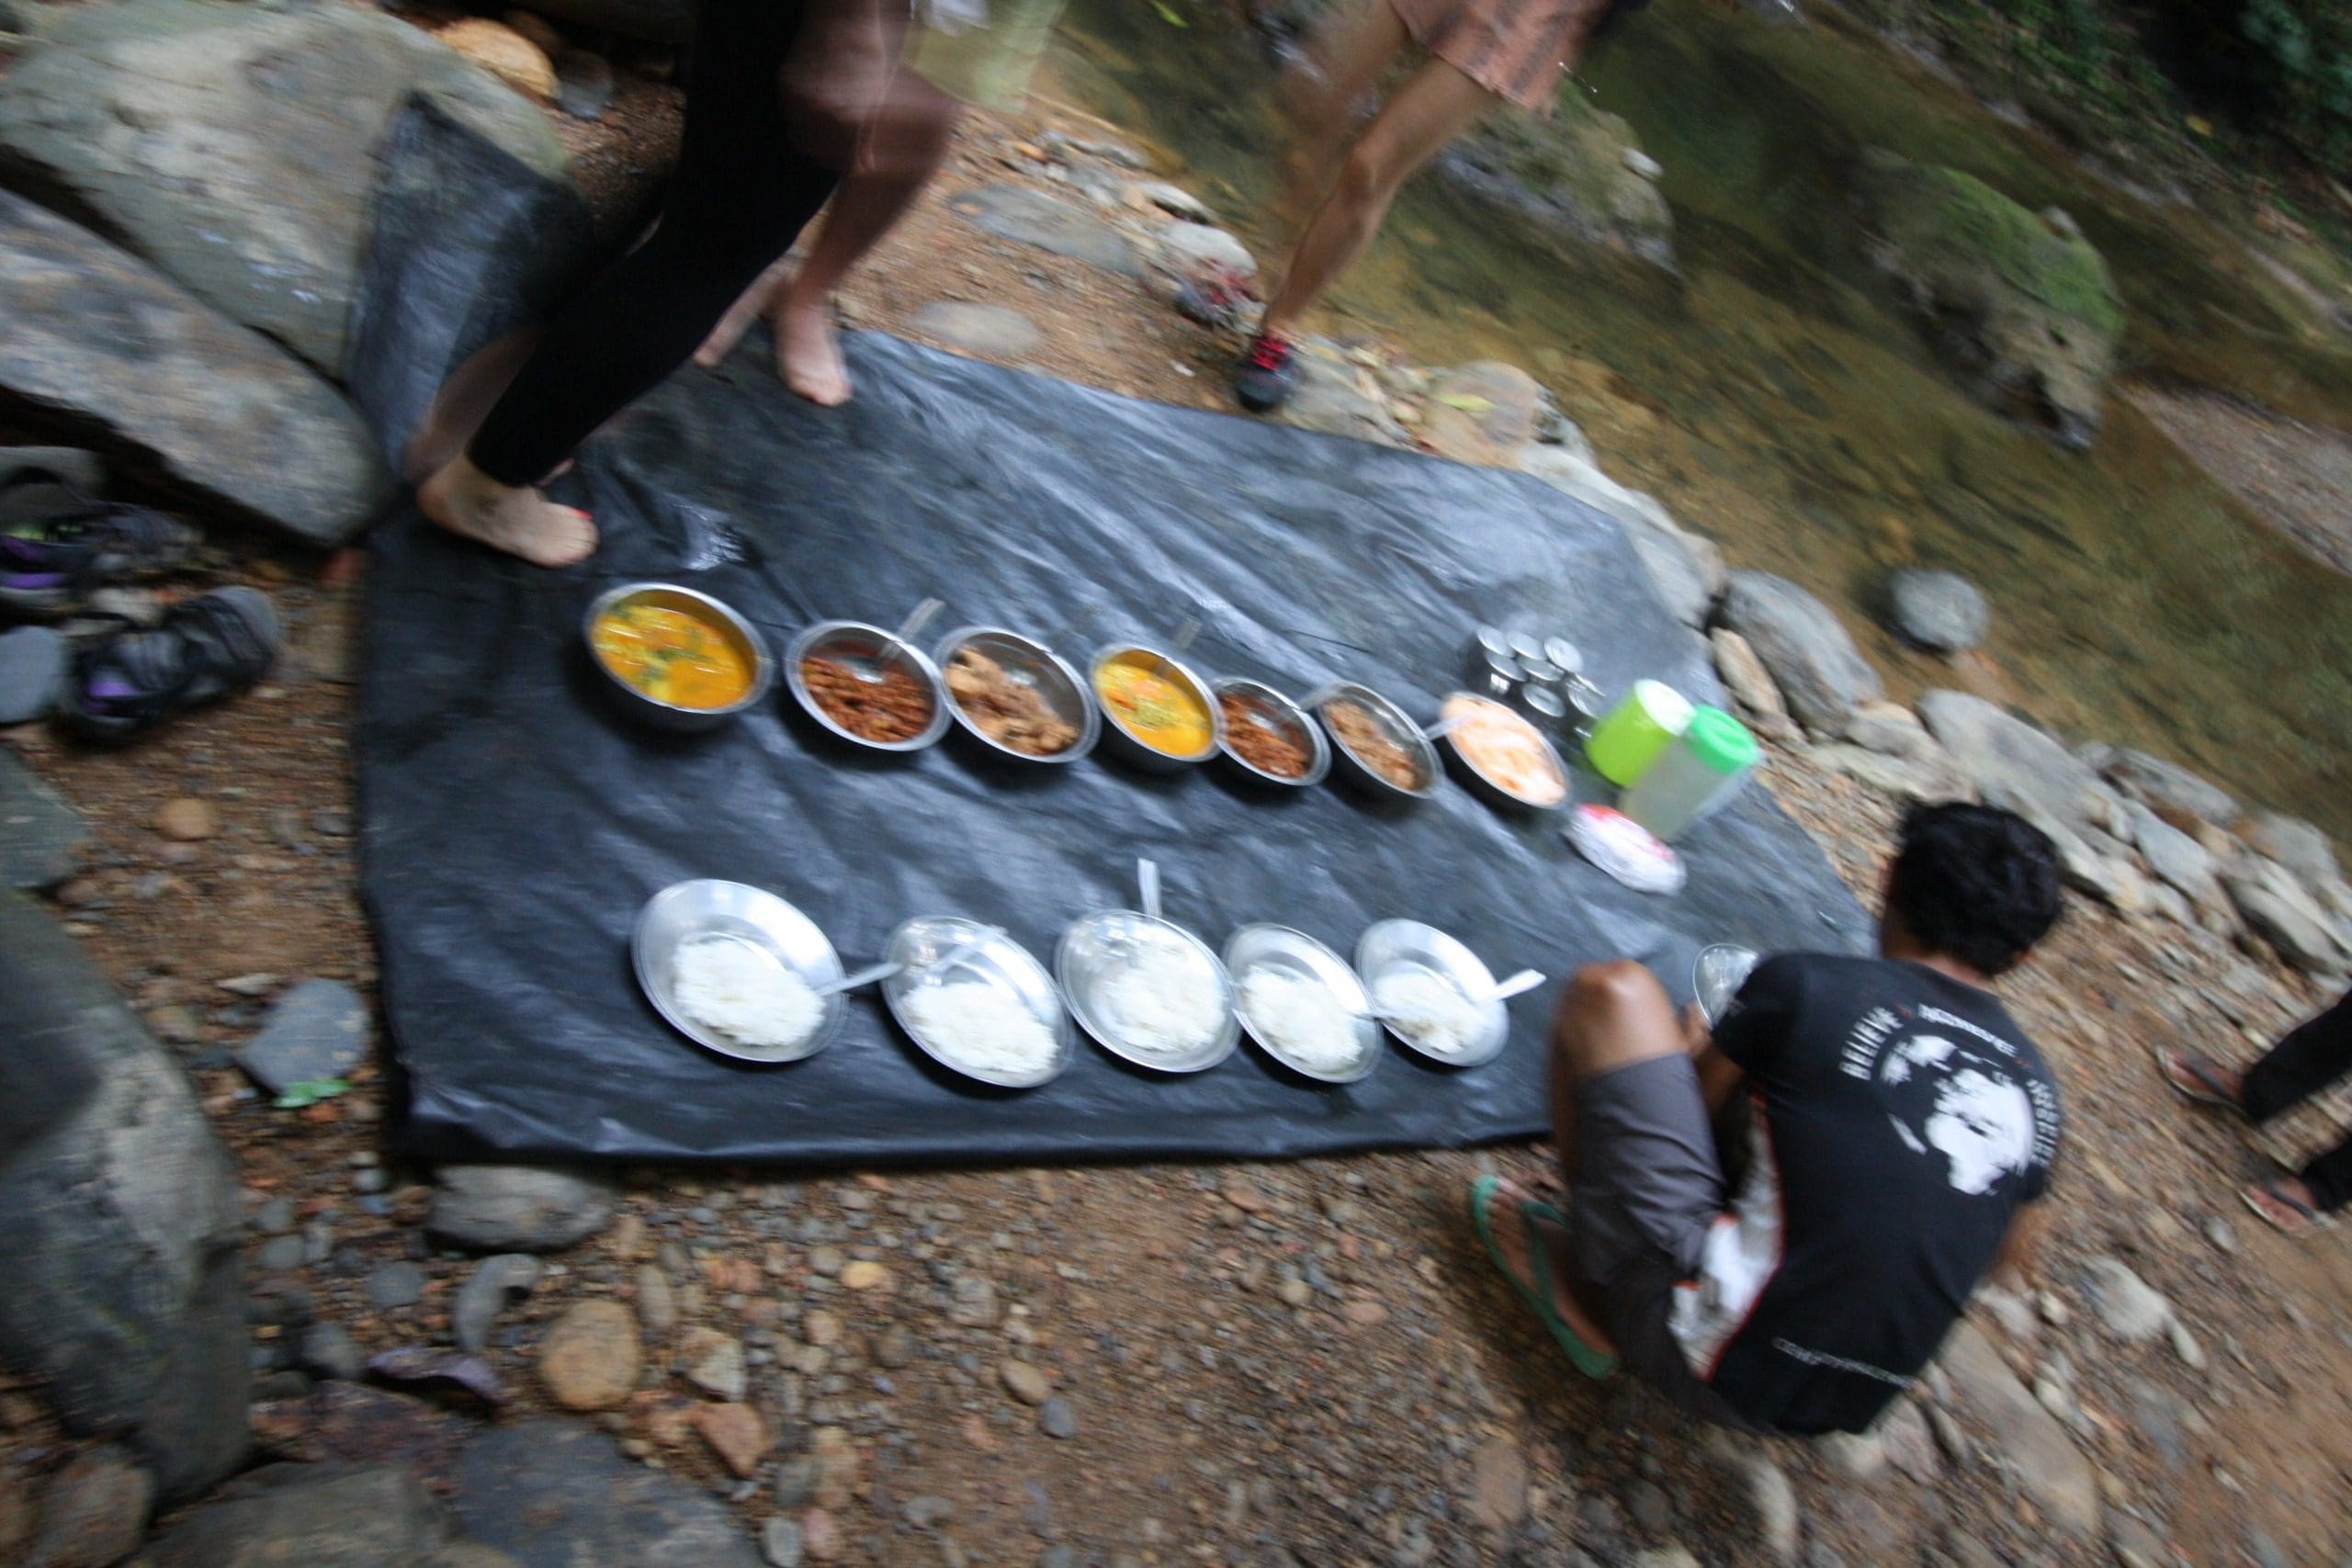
(1951, 223)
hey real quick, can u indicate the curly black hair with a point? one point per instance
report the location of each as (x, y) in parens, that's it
(1974, 882)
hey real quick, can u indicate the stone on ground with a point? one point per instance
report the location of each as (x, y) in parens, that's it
(553, 1495)
(118, 1218)
(1751, 685)
(233, 146)
(2161, 785)
(92, 1513)
(32, 672)
(1172, 199)
(319, 1515)
(735, 1434)
(2040, 1459)
(2177, 859)
(518, 1208)
(2295, 844)
(1191, 250)
(317, 1030)
(1486, 413)
(1763, 1499)
(495, 1284)
(1579, 172)
(98, 338)
(1998, 750)
(589, 1360)
(1939, 611)
(2020, 309)
(2285, 915)
(40, 835)
(1498, 1484)
(1336, 398)
(992, 331)
(1033, 218)
(2132, 1310)
(1685, 569)
(1821, 674)
(1903, 778)
(504, 53)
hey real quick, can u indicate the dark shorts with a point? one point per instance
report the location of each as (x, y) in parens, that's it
(1650, 1187)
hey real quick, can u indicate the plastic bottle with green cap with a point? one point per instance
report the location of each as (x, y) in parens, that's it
(1695, 775)
(1636, 732)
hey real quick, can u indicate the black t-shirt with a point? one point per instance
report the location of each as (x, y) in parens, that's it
(1901, 1118)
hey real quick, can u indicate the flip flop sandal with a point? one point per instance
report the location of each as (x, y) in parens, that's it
(129, 680)
(1592, 1364)
(57, 542)
(2308, 1222)
(2208, 1090)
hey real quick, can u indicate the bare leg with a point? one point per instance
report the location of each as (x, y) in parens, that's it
(1436, 104)
(1510, 1228)
(1346, 61)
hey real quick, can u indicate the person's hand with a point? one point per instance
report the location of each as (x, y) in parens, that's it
(1697, 1032)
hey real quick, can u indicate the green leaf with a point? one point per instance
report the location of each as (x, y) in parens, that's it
(309, 1091)
(1468, 402)
(1168, 14)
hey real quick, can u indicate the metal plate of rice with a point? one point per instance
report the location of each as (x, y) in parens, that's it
(1253, 949)
(688, 912)
(998, 961)
(1101, 947)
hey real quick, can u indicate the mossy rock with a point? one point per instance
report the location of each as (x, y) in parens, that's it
(2018, 305)
(1581, 172)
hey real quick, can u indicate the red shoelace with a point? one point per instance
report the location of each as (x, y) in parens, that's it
(1269, 352)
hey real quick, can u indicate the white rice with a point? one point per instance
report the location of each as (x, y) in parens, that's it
(744, 992)
(982, 1025)
(1430, 1013)
(1165, 1001)
(1301, 1017)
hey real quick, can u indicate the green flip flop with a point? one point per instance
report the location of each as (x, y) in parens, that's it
(1592, 1364)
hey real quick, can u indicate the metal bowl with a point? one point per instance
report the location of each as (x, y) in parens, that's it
(1285, 716)
(1484, 785)
(855, 640)
(1717, 975)
(1122, 742)
(1000, 961)
(1396, 946)
(1253, 948)
(1401, 730)
(1098, 947)
(690, 911)
(721, 616)
(1039, 667)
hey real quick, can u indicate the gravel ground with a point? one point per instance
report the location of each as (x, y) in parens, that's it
(1305, 1362)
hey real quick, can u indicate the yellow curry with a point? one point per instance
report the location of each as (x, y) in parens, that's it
(1161, 711)
(671, 656)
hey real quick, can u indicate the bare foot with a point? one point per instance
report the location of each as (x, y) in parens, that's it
(2288, 1203)
(1511, 1238)
(760, 299)
(2203, 1079)
(521, 522)
(809, 353)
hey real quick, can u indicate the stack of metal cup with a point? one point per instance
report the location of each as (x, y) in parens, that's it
(1542, 677)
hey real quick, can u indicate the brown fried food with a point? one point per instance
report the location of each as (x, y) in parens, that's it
(1369, 741)
(1260, 739)
(1008, 711)
(896, 708)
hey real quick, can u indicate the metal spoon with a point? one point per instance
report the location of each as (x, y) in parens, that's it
(1525, 980)
(872, 667)
(863, 978)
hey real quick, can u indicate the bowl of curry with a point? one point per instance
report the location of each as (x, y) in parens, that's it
(1160, 715)
(679, 658)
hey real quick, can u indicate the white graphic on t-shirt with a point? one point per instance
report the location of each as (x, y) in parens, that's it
(1958, 1102)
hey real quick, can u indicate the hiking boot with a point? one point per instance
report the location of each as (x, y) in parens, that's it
(128, 680)
(1269, 374)
(58, 543)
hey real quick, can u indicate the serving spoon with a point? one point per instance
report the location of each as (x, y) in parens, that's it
(862, 978)
(871, 668)
(1525, 980)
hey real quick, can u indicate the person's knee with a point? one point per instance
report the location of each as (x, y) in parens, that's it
(1618, 985)
(1367, 176)
(1612, 1014)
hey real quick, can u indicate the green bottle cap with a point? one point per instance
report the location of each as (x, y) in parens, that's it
(1720, 741)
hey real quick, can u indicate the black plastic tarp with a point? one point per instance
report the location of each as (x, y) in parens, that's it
(515, 821)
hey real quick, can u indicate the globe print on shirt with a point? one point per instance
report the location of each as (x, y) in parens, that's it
(1953, 1093)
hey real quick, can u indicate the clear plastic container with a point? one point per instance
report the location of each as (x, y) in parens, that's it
(1697, 773)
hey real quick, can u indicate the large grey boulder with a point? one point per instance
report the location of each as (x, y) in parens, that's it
(2000, 752)
(2039, 1460)
(1809, 652)
(2295, 844)
(234, 145)
(2177, 859)
(97, 340)
(317, 1516)
(2168, 785)
(1939, 611)
(118, 1218)
(2284, 913)
(1580, 172)
(41, 835)
(1685, 568)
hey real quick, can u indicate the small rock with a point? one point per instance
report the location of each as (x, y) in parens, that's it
(2218, 1232)
(780, 1543)
(1201, 248)
(1295, 1292)
(1772, 1518)
(1650, 1508)
(32, 672)
(504, 53)
(894, 1346)
(657, 1305)
(1939, 611)
(735, 1434)
(1822, 676)
(713, 1362)
(2136, 1545)
(795, 1481)
(1024, 1383)
(589, 1360)
(2131, 1311)
(865, 1275)
(820, 1535)
(395, 1286)
(92, 1513)
(495, 1284)
(1056, 1418)
(1497, 1485)
(2185, 1345)
(329, 1353)
(827, 1262)
(279, 1254)
(1750, 684)
(187, 820)
(316, 1029)
(2295, 844)
(518, 1208)
(992, 331)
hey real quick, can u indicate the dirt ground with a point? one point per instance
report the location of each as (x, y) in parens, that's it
(1306, 1362)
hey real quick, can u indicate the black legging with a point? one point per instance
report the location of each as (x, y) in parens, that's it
(740, 196)
(2298, 1067)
